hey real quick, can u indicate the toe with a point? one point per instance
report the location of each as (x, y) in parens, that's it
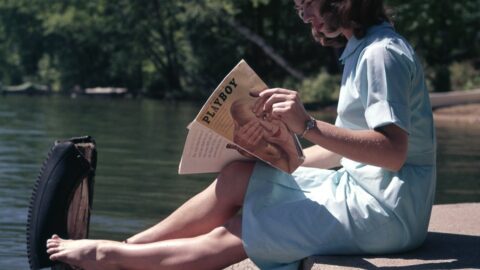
(53, 250)
(52, 244)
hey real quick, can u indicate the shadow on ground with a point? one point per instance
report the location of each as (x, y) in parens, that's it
(440, 251)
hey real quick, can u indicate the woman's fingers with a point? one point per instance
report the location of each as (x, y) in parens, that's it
(276, 90)
(277, 96)
(285, 105)
(258, 106)
(279, 108)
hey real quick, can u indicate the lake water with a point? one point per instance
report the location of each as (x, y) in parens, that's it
(139, 144)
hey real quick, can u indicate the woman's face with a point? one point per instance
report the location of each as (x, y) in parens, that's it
(309, 11)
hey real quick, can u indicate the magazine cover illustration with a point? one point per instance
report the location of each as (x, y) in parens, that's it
(227, 128)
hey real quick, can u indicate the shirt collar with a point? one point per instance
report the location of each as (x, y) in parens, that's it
(353, 43)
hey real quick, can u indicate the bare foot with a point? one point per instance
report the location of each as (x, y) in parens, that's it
(82, 253)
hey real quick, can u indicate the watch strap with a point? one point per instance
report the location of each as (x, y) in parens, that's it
(309, 124)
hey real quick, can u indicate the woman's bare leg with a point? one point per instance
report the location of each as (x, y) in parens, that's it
(207, 210)
(215, 250)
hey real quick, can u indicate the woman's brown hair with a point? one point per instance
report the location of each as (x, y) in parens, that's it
(357, 15)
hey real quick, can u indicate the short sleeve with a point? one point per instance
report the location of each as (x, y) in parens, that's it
(384, 79)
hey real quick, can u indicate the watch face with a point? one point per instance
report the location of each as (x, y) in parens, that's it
(311, 123)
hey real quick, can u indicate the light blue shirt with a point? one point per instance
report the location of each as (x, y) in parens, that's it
(383, 83)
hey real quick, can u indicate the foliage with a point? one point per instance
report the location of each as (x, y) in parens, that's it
(442, 32)
(464, 76)
(181, 49)
(323, 88)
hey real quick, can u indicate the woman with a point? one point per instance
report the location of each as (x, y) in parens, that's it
(378, 202)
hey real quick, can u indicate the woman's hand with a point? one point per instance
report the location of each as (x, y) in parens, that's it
(282, 104)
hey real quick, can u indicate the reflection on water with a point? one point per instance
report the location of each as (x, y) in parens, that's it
(139, 144)
(458, 163)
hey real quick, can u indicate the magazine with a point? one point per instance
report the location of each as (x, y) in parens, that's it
(228, 129)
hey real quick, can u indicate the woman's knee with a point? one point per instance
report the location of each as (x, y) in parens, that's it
(232, 182)
(220, 247)
(229, 232)
(236, 167)
(234, 226)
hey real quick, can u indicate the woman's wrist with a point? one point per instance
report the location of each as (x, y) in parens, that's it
(310, 124)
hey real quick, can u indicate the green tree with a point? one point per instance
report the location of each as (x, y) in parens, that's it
(181, 49)
(442, 32)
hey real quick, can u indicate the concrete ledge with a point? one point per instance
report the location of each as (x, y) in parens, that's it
(453, 242)
(454, 98)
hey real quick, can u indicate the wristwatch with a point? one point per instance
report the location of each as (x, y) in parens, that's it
(309, 124)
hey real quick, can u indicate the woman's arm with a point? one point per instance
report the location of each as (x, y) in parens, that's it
(384, 147)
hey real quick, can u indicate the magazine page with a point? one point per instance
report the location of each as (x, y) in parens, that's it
(206, 151)
(229, 113)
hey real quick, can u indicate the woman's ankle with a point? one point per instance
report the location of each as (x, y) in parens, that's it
(107, 252)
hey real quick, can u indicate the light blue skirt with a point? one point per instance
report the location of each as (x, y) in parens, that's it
(313, 211)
